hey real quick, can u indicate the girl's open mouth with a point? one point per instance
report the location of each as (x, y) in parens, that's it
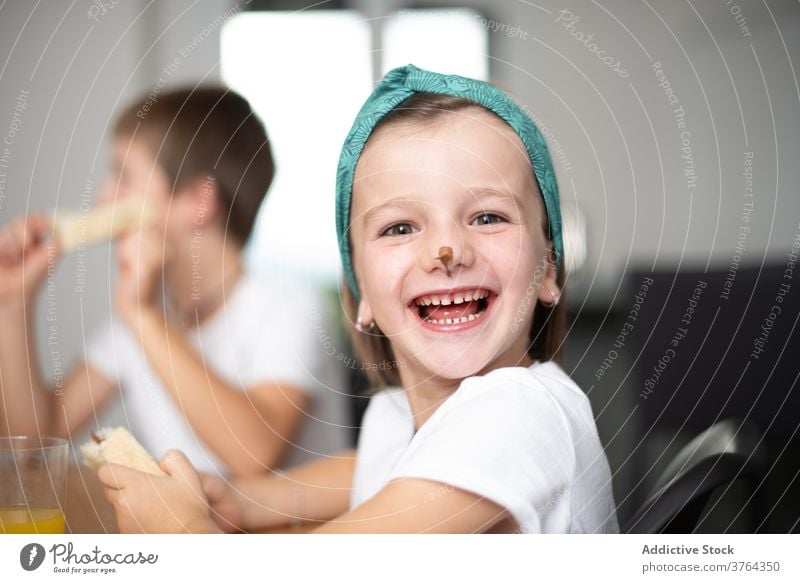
(455, 309)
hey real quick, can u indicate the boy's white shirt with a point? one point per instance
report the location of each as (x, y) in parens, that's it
(524, 438)
(266, 332)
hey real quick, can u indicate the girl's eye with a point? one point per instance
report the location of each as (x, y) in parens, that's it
(487, 219)
(398, 230)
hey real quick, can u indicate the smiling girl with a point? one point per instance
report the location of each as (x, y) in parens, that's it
(450, 236)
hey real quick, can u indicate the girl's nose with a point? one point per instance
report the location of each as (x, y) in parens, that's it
(447, 252)
(445, 256)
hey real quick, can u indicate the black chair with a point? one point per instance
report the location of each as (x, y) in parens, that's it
(715, 373)
(726, 453)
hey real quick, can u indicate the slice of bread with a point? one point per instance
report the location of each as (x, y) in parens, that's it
(103, 223)
(117, 446)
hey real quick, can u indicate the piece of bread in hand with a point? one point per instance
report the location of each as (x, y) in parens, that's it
(117, 446)
(102, 223)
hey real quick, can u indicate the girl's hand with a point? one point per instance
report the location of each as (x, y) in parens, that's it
(24, 258)
(140, 258)
(226, 506)
(145, 503)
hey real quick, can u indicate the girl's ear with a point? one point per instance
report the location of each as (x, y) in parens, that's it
(549, 290)
(364, 316)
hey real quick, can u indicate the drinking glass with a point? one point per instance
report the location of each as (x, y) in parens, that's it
(33, 474)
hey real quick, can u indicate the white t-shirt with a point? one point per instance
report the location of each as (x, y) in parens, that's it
(266, 332)
(524, 438)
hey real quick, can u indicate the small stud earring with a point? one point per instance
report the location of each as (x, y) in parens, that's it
(361, 328)
(556, 297)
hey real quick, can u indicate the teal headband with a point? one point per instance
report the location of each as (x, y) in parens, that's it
(398, 85)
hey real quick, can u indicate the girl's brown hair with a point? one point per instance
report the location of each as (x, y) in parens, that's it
(372, 346)
(207, 131)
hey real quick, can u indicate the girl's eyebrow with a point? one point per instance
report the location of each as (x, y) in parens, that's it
(404, 201)
(483, 193)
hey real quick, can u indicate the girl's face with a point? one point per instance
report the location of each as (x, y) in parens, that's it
(465, 183)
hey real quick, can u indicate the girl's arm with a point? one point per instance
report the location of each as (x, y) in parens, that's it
(186, 502)
(316, 491)
(412, 505)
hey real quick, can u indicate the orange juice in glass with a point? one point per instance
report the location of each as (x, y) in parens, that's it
(33, 474)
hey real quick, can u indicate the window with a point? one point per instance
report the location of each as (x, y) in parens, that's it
(306, 74)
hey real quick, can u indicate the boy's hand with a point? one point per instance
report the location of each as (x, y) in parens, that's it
(226, 506)
(24, 258)
(145, 503)
(140, 257)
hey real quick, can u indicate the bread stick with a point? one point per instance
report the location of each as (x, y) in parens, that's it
(103, 223)
(117, 446)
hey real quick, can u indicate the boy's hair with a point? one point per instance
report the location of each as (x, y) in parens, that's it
(207, 131)
(372, 346)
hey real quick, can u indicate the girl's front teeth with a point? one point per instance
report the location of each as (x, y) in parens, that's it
(461, 320)
(455, 298)
(455, 308)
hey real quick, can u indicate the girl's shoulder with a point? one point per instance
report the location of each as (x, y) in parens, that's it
(389, 403)
(540, 389)
(539, 378)
(514, 394)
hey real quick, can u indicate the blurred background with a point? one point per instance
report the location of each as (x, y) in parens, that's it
(674, 129)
